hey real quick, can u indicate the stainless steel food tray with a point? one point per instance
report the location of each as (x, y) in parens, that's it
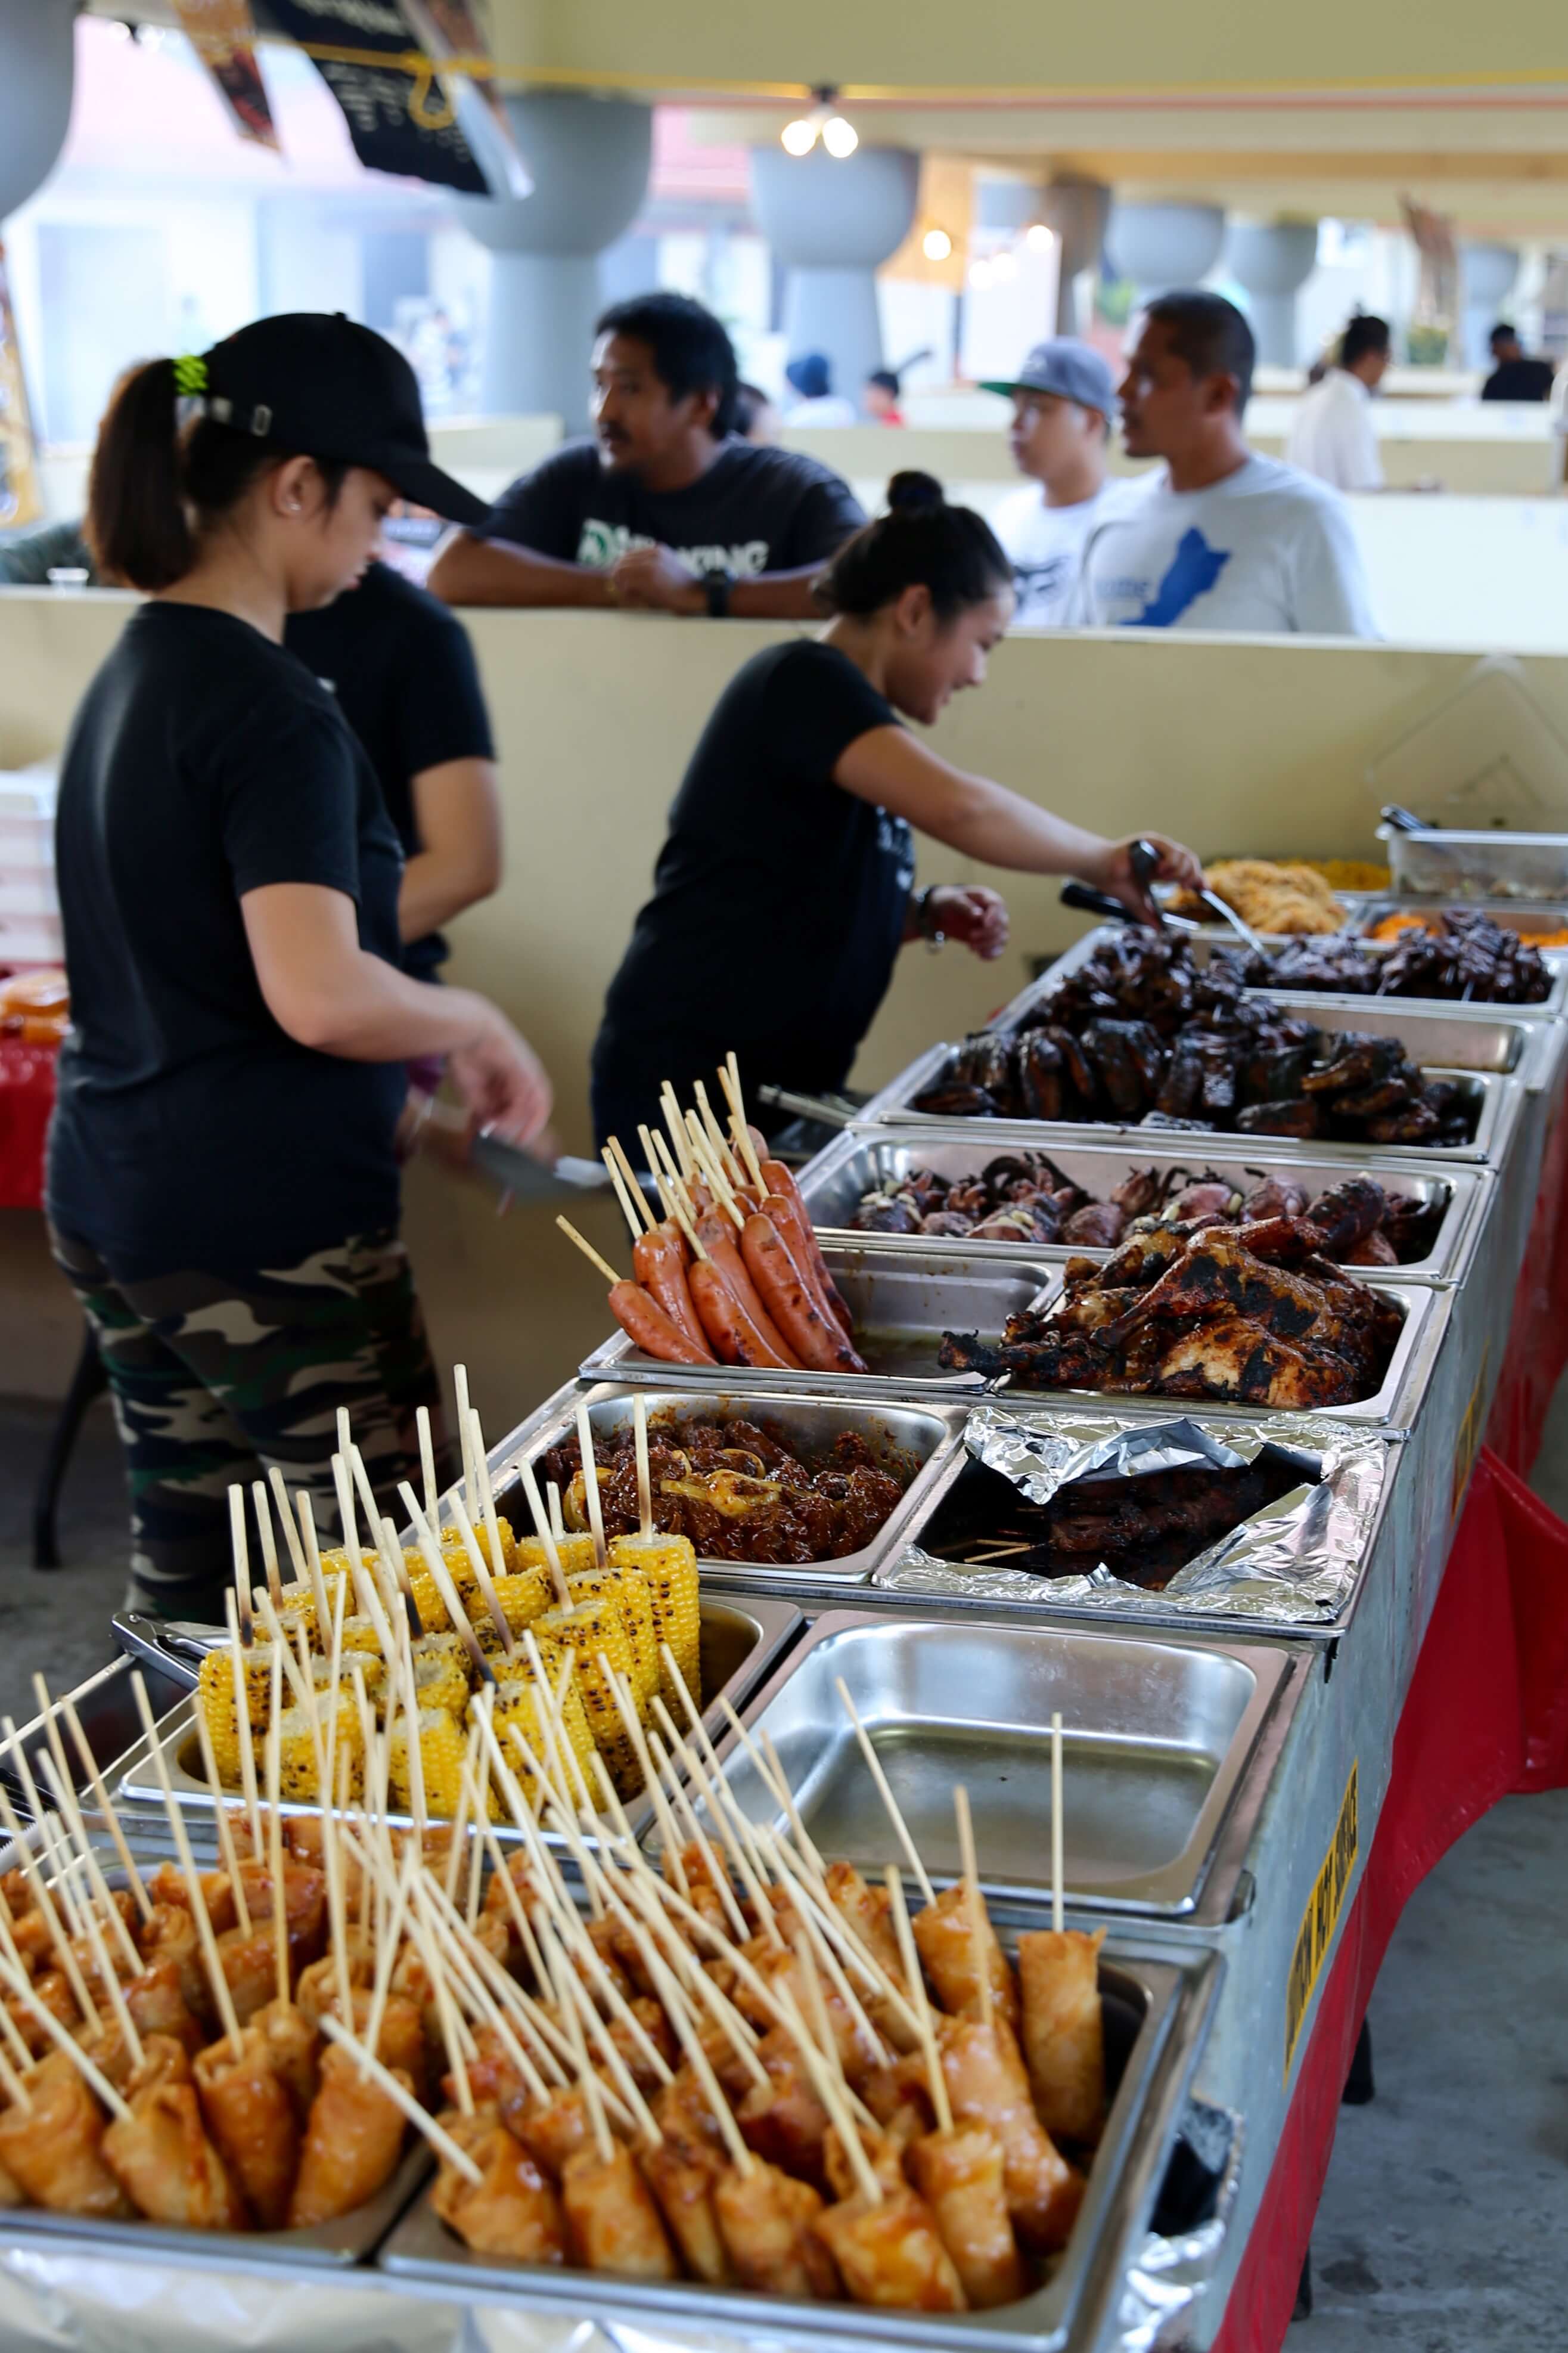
(902, 1301)
(1393, 1406)
(1159, 1734)
(925, 1434)
(352, 2239)
(1438, 863)
(1468, 1037)
(1497, 1100)
(865, 1157)
(1158, 2005)
(743, 1637)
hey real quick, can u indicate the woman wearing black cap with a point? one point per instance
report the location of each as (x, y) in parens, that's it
(223, 1186)
(784, 891)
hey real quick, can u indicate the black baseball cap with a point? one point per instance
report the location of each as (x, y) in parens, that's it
(321, 386)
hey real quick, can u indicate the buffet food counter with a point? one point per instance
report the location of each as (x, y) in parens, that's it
(1157, 1624)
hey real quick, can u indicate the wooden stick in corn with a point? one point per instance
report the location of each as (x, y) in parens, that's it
(225, 1827)
(238, 1642)
(564, 1685)
(70, 1805)
(222, 2000)
(343, 1488)
(106, 1807)
(591, 1495)
(441, 1575)
(279, 1487)
(313, 1562)
(37, 1888)
(268, 1542)
(553, 1504)
(241, 1550)
(542, 1529)
(428, 1463)
(485, 1508)
(482, 1577)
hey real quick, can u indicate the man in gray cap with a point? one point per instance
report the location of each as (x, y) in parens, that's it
(1064, 402)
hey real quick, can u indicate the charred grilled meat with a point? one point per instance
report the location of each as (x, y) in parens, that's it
(1249, 1315)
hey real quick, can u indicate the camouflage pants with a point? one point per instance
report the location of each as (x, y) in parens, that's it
(215, 1380)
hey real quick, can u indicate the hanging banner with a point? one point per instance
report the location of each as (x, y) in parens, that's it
(21, 500)
(449, 28)
(223, 34)
(383, 68)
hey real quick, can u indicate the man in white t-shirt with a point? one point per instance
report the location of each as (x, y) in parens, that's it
(1064, 402)
(1220, 539)
(1333, 436)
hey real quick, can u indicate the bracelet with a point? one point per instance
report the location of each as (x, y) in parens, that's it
(716, 588)
(933, 936)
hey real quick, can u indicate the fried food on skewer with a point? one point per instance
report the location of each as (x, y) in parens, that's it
(1063, 2031)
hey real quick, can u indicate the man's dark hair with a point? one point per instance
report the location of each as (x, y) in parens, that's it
(886, 379)
(1210, 334)
(749, 402)
(1502, 334)
(1364, 333)
(691, 352)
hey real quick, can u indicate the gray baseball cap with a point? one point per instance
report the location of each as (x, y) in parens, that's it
(1073, 370)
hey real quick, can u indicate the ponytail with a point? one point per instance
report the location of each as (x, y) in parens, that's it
(155, 487)
(920, 541)
(136, 522)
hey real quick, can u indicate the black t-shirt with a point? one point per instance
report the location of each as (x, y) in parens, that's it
(754, 509)
(1518, 380)
(779, 899)
(406, 681)
(191, 1132)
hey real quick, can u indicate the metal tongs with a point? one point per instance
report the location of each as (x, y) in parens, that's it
(1146, 861)
(175, 1647)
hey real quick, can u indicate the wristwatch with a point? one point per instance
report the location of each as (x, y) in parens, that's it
(933, 934)
(716, 588)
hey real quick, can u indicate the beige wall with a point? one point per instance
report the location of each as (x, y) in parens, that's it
(1237, 745)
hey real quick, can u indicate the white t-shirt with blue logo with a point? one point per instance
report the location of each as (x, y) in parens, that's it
(1266, 551)
(1046, 546)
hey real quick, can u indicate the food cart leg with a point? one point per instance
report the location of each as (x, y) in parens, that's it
(1304, 2292)
(1358, 2085)
(88, 1380)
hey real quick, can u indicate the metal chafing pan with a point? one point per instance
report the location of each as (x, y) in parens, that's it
(866, 1158)
(1496, 1099)
(1530, 921)
(1157, 2005)
(902, 1301)
(1393, 1404)
(1205, 944)
(742, 1636)
(1465, 1038)
(1159, 1735)
(1439, 862)
(921, 1437)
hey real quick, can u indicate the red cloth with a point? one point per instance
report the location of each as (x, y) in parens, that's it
(1538, 1336)
(27, 1099)
(1487, 1716)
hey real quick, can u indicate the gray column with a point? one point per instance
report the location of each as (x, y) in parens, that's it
(1486, 273)
(1162, 247)
(831, 223)
(1271, 262)
(589, 158)
(35, 93)
(1078, 210)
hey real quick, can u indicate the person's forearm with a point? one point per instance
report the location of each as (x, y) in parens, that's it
(777, 596)
(1002, 829)
(433, 890)
(495, 572)
(368, 1011)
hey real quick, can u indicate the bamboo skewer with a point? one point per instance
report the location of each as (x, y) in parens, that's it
(980, 1951)
(440, 2140)
(1057, 1834)
(482, 1577)
(297, 1562)
(220, 1812)
(644, 1481)
(427, 1464)
(39, 1892)
(874, 1767)
(441, 1577)
(71, 1806)
(17, 1981)
(465, 1435)
(282, 1974)
(589, 1253)
(591, 1496)
(307, 1511)
(95, 1783)
(939, 2101)
(634, 1214)
(821, 2059)
(717, 1876)
(734, 1846)
(730, 1080)
(669, 1112)
(242, 1715)
(542, 1529)
(342, 1486)
(268, 1542)
(241, 1561)
(222, 1998)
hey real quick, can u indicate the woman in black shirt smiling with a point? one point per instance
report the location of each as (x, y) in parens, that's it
(223, 1186)
(784, 890)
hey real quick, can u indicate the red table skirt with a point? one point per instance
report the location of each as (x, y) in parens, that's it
(1487, 1716)
(27, 1099)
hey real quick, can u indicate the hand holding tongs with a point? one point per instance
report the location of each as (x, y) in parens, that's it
(1146, 861)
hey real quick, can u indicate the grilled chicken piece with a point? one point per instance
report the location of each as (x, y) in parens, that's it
(1355, 1061)
(954, 1099)
(1231, 1358)
(1346, 1214)
(1040, 1077)
(1128, 1060)
(1297, 1115)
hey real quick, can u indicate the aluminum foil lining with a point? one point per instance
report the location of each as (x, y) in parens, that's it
(1165, 2278)
(1293, 1562)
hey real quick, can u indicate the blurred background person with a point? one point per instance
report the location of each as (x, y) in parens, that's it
(883, 396)
(811, 377)
(1515, 375)
(757, 419)
(1333, 436)
(1064, 402)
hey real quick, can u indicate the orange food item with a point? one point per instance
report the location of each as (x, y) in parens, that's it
(1537, 936)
